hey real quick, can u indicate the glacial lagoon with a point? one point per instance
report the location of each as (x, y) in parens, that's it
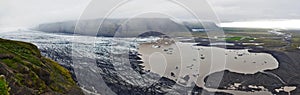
(187, 63)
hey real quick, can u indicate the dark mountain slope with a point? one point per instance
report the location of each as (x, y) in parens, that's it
(115, 27)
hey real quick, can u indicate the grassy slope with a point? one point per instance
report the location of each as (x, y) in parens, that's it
(27, 72)
(4, 89)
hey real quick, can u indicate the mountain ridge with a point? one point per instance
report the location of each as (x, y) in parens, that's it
(122, 27)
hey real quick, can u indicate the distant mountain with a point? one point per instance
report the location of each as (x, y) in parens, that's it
(121, 27)
(115, 27)
(194, 25)
(151, 33)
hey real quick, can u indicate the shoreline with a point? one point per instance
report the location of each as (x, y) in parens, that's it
(161, 55)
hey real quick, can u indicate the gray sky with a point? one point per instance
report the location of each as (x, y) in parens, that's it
(30, 12)
(233, 10)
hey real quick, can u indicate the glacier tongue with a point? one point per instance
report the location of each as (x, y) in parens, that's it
(103, 65)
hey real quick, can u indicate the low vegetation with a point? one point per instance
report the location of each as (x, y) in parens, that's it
(4, 89)
(27, 72)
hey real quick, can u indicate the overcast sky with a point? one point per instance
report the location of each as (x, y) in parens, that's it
(31, 12)
(232, 10)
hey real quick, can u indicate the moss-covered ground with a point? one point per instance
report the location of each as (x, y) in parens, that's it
(27, 72)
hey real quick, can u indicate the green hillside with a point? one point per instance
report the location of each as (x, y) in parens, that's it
(27, 72)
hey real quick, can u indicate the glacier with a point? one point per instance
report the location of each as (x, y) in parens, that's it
(103, 65)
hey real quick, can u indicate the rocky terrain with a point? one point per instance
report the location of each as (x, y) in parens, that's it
(284, 76)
